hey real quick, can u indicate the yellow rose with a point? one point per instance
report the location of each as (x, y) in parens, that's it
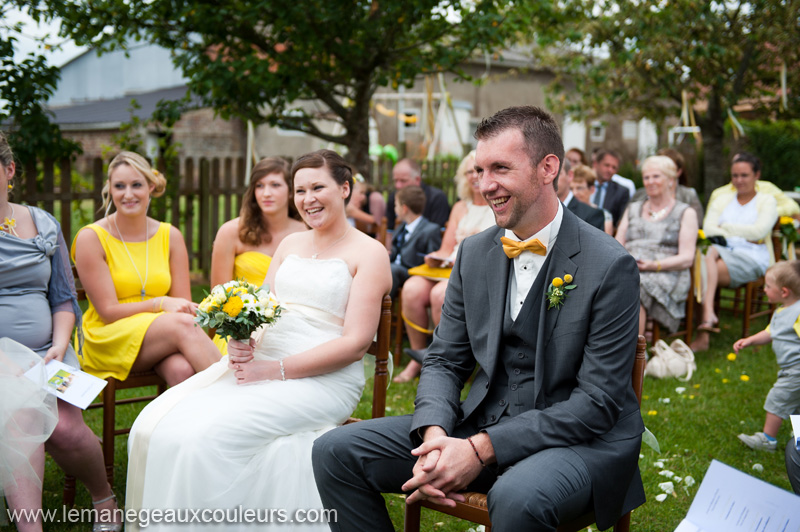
(204, 305)
(701, 234)
(786, 220)
(557, 282)
(568, 278)
(233, 307)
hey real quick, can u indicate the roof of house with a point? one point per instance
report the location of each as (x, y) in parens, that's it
(109, 114)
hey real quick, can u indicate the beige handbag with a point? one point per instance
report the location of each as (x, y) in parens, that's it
(674, 360)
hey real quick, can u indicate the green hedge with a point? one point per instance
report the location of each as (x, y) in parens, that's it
(777, 144)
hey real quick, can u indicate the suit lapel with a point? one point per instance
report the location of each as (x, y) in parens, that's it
(566, 247)
(497, 271)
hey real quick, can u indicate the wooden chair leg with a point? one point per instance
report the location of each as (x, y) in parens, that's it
(748, 309)
(624, 523)
(412, 518)
(399, 330)
(109, 424)
(69, 491)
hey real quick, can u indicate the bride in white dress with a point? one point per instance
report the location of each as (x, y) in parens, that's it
(234, 441)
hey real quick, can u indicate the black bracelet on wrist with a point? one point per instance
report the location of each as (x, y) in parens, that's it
(469, 439)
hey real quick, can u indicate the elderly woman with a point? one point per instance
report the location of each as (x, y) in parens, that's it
(683, 192)
(744, 217)
(470, 215)
(660, 232)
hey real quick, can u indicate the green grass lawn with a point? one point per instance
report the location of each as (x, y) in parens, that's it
(693, 426)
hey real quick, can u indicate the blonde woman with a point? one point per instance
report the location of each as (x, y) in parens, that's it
(135, 271)
(470, 215)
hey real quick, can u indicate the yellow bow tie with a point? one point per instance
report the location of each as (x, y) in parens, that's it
(512, 248)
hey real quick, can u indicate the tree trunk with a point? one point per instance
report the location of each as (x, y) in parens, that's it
(714, 164)
(357, 141)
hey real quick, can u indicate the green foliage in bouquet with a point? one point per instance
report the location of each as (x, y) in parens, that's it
(237, 308)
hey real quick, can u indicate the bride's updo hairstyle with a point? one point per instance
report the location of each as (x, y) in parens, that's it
(339, 169)
(142, 167)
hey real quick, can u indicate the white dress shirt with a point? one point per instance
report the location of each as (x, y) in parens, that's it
(527, 264)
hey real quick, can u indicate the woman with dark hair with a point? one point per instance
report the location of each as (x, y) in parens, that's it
(39, 309)
(744, 218)
(232, 445)
(244, 246)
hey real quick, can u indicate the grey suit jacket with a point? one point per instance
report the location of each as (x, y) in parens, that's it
(426, 238)
(582, 396)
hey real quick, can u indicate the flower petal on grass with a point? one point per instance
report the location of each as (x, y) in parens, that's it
(689, 480)
(667, 487)
(680, 389)
(745, 378)
(667, 473)
(661, 497)
(758, 467)
(731, 356)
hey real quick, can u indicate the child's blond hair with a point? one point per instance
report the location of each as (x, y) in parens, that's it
(787, 274)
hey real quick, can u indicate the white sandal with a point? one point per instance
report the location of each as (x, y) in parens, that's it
(106, 527)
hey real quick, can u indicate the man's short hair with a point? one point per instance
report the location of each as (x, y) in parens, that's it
(412, 197)
(413, 165)
(787, 274)
(539, 131)
(601, 154)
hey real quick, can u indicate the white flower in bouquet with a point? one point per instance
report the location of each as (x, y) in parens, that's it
(237, 308)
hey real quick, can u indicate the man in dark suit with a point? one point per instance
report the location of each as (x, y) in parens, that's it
(551, 425)
(415, 238)
(407, 173)
(587, 213)
(609, 195)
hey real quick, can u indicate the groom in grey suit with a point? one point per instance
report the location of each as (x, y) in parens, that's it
(551, 427)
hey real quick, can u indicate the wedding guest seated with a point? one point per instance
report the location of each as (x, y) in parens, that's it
(576, 156)
(470, 215)
(786, 206)
(684, 192)
(414, 238)
(591, 215)
(215, 442)
(135, 271)
(660, 232)
(408, 173)
(366, 206)
(583, 187)
(244, 246)
(744, 217)
(39, 309)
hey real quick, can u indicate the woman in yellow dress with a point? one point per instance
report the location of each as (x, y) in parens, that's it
(244, 246)
(135, 271)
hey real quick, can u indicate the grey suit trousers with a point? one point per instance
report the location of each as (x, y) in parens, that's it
(355, 463)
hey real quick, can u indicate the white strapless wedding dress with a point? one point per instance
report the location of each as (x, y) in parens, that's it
(210, 444)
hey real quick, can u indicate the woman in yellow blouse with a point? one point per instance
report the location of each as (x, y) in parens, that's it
(244, 246)
(135, 271)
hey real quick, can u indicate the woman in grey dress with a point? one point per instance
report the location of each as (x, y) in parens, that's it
(661, 233)
(39, 309)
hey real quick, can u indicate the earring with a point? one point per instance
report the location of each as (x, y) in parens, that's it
(10, 186)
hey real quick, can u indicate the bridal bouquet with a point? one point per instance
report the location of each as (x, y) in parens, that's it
(237, 308)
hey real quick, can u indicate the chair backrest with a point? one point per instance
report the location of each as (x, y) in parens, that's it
(379, 229)
(380, 350)
(78, 286)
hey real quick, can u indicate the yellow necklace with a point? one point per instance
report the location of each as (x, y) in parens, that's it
(9, 223)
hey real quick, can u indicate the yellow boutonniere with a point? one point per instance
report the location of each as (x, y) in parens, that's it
(557, 292)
